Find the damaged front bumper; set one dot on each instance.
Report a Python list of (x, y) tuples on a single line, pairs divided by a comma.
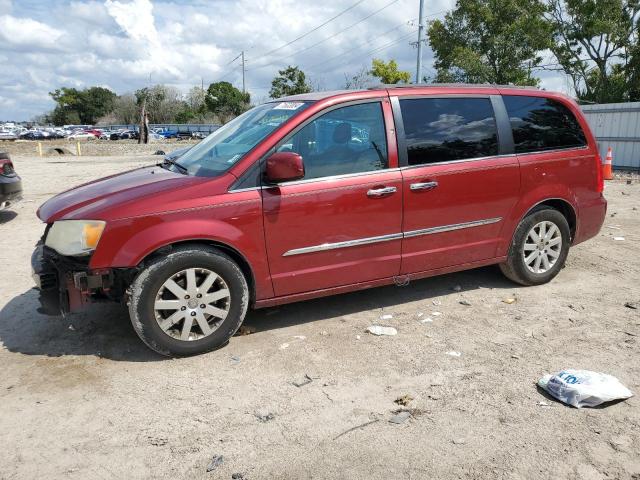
[(67, 284)]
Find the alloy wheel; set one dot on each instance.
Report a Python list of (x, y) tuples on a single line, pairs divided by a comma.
[(192, 304), (542, 247)]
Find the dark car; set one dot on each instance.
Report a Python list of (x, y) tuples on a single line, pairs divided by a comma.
[(10, 183), (33, 136), (326, 193)]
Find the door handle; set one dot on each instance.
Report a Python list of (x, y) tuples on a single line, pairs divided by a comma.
[(423, 186), (381, 192)]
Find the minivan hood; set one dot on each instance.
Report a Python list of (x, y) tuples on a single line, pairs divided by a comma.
[(109, 197)]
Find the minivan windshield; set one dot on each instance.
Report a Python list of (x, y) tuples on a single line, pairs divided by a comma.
[(227, 145)]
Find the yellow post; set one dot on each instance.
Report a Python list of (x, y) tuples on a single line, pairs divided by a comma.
[(40, 148), (78, 149)]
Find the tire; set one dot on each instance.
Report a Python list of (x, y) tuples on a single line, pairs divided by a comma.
[(516, 267), (228, 293)]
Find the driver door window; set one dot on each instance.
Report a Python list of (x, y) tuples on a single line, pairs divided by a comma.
[(343, 141)]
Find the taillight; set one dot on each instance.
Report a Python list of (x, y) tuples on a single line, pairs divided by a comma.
[(599, 173)]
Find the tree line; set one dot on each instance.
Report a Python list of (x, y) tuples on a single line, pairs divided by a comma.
[(594, 42)]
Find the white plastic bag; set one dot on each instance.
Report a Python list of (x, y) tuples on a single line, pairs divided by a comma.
[(583, 388)]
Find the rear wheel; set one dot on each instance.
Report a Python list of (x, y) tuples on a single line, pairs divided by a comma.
[(188, 302), (539, 247)]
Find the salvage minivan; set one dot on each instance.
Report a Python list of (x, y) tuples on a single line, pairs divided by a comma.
[(324, 193)]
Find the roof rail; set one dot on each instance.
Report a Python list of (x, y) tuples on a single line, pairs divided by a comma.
[(446, 85)]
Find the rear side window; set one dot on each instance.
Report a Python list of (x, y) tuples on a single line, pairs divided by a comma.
[(446, 129), (541, 124)]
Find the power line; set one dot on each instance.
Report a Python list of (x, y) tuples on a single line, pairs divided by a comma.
[(332, 36), (314, 29), (368, 42)]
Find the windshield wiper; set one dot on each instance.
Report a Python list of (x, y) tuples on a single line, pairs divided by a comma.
[(170, 161)]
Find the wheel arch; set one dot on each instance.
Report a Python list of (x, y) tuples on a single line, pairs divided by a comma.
[(232, 252), (563, 206)]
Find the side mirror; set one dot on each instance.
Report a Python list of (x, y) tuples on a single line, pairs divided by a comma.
[(284, 166)]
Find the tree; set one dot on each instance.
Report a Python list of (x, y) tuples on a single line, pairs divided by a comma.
[(596, 45), (388, 72), (361, 79), (490, 41), (81, 106), (161, 102), (290, 81), (125, 110), (225, 100)]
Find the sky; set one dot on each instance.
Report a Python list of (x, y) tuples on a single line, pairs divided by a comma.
[(125, 45)]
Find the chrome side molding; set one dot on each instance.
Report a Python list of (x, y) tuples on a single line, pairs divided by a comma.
[(449, 228), (345, 244), (387, 238)]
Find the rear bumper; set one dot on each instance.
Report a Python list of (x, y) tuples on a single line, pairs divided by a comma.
[(66, 284), (591, 218), (10, 190)]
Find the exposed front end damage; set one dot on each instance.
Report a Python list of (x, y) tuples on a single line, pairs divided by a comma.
[(68, 284)]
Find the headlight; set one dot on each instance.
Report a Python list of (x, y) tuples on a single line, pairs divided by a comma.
[(74, 237)]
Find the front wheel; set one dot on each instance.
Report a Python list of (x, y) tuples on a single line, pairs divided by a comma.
[(539, 248), (188, 302)]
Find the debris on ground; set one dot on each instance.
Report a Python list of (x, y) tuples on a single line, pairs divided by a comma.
[(458, 441), (235, 359), (584, 388), (465, 303), (436, 314), (301, 383), (357, 427), (509, 301), (543, 404), (238, 476), (380, 330), (454, 353), (284, 346), (400, 417), (386, 317), (264, 416), (436, 302), (215, 462), (619, 239), (426, 320), (158, 441), (632, 305), (245, 330), (404, 400), (72, 328), (324, 333)]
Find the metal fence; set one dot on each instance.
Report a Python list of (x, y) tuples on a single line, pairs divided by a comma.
[(179, 127), (617, 125)]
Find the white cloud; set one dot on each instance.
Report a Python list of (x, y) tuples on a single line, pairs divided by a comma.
[(28, 33)]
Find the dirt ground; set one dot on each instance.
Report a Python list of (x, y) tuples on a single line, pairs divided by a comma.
[(83, 398)]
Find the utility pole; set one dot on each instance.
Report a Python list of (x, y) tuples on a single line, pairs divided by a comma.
[(420, 35), (244, 90)]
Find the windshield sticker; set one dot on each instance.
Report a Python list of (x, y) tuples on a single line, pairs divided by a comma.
[(288, 106)]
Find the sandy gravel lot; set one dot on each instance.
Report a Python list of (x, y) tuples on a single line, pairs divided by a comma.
[(83, 398)]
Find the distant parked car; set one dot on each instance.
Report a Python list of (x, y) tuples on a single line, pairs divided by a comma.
[(8, 136), (129, 134), (10, 182), (82, 136), (32, 135)]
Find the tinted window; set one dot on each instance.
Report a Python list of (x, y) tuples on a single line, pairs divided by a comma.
[(345, 140), (542, 124), (445, 129)]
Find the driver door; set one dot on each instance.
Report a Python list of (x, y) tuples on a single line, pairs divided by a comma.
[(340, 224)]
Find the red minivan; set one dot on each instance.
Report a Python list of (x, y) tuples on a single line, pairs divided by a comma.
[(324, 193)]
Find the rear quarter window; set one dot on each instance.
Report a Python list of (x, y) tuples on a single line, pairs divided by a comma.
[(540, 124)]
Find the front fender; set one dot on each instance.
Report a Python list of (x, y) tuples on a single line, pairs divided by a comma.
[(237, 225)]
